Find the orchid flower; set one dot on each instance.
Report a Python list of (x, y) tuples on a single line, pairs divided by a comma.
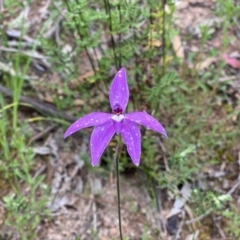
[(107, 124)]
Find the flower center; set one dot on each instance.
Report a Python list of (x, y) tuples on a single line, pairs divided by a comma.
[(117, 109), (118, 118)]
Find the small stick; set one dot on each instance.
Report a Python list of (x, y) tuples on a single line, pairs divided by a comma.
[(40, 107)]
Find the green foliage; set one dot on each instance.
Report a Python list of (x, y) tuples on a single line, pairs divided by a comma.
[(233, 220), (181, 168), (24, 209), (209, 200), (24, 214)]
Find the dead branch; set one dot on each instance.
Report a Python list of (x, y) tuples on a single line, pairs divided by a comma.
[(39, 106)]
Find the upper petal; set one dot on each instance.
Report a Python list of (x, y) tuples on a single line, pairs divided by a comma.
[(132, 138), (100, 138), (119, 92), (146, 120), (89, 120)]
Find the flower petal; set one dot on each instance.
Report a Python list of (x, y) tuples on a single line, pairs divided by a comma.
[(89, 120), (132, 138), (146, 120), (100, 138), (119, 92)]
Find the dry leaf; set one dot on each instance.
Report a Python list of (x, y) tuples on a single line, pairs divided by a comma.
[(180, 200), (233, 62), (79, 102), (81, 79), (206, 63), (193, 236), (177, 46)]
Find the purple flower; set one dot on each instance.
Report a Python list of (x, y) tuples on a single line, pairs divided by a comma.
[(106, 124)]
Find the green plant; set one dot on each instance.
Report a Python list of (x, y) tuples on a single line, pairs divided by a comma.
[(233, 219), (208, 201), (24, 208)]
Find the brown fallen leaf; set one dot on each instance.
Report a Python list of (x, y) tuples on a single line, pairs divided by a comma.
[(206, 63), (81, 79), (79, 102), (233, 62), (177, 46)]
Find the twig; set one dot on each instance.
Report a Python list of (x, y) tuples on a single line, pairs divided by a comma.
[(8, 69), (235, 186), (41, 134), (160, 219), (199, 218), (228, 78), (39, 171), (27, 53), (178, 234), (219, 229), (54, 29), (39, 106), (16, 34), (164, 155)]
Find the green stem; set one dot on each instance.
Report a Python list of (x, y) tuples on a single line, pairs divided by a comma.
[(108, 11), (164, 2), (118, 154)]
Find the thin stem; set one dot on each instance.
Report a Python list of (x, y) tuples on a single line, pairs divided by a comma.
[(164, 2), (136, 62), (108, 11), (120, 35), (118, 154)]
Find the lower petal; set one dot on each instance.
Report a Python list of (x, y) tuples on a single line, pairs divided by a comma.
[(132, 138), (100, 138)]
